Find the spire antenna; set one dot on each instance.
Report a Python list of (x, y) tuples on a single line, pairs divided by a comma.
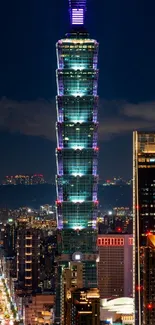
[(77, 9)]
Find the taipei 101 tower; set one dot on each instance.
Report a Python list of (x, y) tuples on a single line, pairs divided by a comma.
[(76, 156)]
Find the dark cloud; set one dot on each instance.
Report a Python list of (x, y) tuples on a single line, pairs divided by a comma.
[(121, 117), (37, 118), (145, 110)]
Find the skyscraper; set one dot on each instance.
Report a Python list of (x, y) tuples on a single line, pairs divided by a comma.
[(77, 151), (149, 281), (144, 226)]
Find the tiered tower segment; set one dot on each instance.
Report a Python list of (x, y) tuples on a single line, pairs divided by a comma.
[(77, 150)]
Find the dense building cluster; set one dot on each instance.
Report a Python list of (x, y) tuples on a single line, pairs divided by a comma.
[(28, 248), (29, 242), (72, 264), (22, 179)]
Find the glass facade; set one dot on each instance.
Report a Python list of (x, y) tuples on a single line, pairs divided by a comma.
[(76, 128), (144, 226), (77, 151)]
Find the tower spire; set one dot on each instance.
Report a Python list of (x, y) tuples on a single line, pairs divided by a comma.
[(77, 9)]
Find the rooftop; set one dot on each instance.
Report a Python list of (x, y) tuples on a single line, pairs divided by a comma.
[(122, 305)]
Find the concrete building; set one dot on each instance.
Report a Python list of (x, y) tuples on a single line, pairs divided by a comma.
[(115, 265)]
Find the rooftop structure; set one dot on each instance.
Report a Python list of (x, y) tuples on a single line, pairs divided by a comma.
[(122, 305)]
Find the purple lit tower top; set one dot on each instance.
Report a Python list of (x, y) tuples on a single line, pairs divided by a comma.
[(77, 10)]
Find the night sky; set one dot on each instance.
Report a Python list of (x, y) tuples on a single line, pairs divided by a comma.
[(29, 30)]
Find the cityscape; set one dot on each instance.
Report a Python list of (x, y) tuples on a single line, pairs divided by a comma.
[(77, 245)]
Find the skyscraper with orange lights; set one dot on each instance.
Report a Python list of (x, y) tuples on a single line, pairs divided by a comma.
[(144, 227)]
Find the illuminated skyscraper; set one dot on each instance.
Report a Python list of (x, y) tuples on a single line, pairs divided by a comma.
[(149, 281), (77, 150), (144, 226)]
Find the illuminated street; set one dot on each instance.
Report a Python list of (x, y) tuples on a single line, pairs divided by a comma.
[(7, 309)]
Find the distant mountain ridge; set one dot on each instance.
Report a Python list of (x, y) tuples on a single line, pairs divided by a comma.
[(33, 196)]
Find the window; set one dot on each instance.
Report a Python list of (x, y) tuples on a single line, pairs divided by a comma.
[(111, 241)]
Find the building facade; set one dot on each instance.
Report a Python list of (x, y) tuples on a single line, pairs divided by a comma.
[(116, 311), (149, 281), (28, 259), (82, 307), (144, 224), (77, 151), (39, 310), (115, 265)]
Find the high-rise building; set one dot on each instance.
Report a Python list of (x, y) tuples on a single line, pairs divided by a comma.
[(10, 237), (47, 263), (77, 151), (144, 224), (28, 259), (149, 281), (115, 265)]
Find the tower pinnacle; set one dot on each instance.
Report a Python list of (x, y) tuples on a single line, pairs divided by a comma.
[(77, 10)]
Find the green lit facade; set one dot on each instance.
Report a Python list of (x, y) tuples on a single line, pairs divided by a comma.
[(77, 151)]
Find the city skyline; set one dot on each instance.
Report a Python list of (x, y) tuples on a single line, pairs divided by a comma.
[(86, 257), (27, 65)]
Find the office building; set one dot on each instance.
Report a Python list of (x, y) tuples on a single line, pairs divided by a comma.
[(144, 223), (115, 265), (149, 281), (10, 237), (47, 260), (77, 151)]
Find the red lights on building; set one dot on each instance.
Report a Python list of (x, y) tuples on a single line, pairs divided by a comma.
[(130, 241), (139, 288), (112, 241), (149, 306), (148, 233), (58, 202), (38, 175)]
